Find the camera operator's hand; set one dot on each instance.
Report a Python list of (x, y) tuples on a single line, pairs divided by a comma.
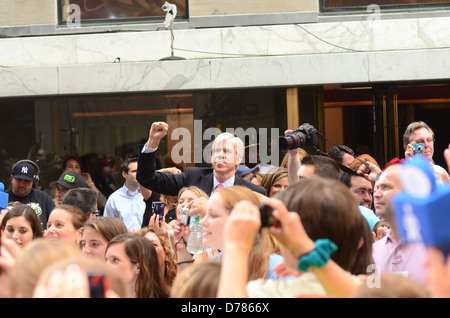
[(293, 161), (197, 207), (181, 234), (381, 232), (158, 131), (291, 151), (184, 258), (370, 174), (288, 267), (158, 226), (290, 233), (241, 226), (409, 151)]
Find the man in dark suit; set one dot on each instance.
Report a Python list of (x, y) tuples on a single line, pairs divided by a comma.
[(227, 153)]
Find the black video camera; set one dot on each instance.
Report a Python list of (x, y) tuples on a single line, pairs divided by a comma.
[(305, 135)]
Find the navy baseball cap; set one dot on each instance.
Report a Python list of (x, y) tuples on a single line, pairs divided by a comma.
[(242, 170), (24, 170)]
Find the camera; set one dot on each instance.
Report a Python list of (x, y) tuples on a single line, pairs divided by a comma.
[(158, 208), (185, 216), (419, 148), (267, 218), (305, 135)]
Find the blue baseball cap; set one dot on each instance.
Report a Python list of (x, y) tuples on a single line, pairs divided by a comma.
[(242, 170)]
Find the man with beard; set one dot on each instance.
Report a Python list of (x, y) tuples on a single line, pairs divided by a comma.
[(22, 179), (361, 188)]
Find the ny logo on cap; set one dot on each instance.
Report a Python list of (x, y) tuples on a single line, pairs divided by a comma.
[(24, 170)]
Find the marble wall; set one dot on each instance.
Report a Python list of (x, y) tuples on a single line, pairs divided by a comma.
[(27, 12), (216, 7), (279, 55)]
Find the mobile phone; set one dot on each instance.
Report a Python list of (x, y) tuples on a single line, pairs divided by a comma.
[(267, 218), (97, 285), (158, 208), (185, 216), (419, 148)]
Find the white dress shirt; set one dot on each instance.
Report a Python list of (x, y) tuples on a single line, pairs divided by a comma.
[(129, 206)]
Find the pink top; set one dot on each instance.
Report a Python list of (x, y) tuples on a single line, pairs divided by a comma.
[(407, 259)]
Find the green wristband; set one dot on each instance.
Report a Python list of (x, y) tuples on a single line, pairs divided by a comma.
[(317, 257)]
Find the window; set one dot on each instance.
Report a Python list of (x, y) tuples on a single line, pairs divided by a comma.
[(363, 5), (114, 11), (48, 129)]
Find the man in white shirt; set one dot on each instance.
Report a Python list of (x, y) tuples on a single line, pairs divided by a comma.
[(127, 203)]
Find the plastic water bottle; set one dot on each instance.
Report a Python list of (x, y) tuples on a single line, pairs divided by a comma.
[(195, 240)]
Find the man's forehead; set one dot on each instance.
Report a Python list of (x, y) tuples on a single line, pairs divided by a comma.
[(357, 181), (306, 171), (21, 179), (421, 132), (390, 175), (225, 144), (132, 165)]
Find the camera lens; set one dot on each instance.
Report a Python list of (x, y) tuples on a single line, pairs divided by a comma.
[(292, 141), (285, 142)]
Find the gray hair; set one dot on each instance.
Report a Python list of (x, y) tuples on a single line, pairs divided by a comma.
[(412, 128), (238, 143)]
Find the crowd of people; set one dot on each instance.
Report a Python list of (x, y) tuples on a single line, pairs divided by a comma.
[(317, 225)]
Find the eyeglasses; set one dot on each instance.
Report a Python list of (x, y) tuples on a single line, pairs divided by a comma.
[(426, 141)]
